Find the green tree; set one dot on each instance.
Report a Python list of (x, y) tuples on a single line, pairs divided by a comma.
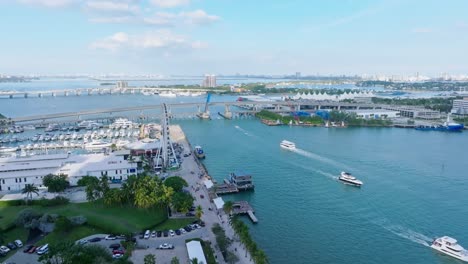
[(260, 257), (231, 258), (67, 252), (55, 183), (199, 212), (175, 260), (63, 224), (145, 193), (227, 207), (28, 218), (194, 261), (177, 183), (29, 189), (128, 189), (149, 259), (182, 201), (113, 197)]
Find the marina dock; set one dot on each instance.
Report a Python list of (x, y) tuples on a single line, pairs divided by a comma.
[(243, 207)]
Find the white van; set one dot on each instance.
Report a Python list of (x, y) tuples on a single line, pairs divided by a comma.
[(43, 249), (147, 234)]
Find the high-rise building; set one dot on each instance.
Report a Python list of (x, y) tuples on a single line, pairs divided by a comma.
[(460, 106), (210, 81), (122, 84), (298, 75)]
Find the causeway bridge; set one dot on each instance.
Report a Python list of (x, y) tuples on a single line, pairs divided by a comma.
[(238, 107), (98, 91)]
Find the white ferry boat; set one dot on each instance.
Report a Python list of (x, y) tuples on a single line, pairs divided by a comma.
[(287, 145), (346, 177), (121, 123), (450, 246)]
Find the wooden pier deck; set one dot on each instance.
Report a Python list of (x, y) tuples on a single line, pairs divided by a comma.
[(226, 188), (243, 207)]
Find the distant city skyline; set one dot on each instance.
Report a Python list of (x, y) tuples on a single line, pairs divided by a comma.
[(194, 37)]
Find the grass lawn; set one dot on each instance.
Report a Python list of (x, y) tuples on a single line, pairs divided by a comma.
[(174, 224), (75, 234), (120, 219), (12, 235)]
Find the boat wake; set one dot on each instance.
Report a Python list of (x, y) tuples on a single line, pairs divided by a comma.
[(326, 174), (244, 131), (408, 234), (320, 158)]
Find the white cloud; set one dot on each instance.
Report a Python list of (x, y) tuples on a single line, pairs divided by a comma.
[(112, 6), (150, 40), (169, 3), (160, 18), (48, 3), (198, 17)]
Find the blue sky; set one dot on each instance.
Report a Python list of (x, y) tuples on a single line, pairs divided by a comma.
[(234, 36)]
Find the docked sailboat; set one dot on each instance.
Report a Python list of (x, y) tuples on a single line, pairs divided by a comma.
[(287, 145), (450, 246), (347, 178)]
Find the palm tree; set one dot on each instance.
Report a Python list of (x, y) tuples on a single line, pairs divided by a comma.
[(199, 212), (194, 261), (260, 257), (228, 207), (29, 189)]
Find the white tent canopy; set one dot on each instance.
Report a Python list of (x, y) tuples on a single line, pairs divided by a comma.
[(208, 184), (195, 250), (219, 202)]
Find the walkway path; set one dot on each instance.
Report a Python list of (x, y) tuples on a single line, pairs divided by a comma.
[(210, 217)]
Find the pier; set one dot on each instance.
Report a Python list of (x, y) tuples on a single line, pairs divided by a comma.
[(243, 207)]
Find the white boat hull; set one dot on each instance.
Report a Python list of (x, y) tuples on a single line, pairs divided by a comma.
[(448, 253), (288, 148)]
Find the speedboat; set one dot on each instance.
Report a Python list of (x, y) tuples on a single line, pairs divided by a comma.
[(287, 145), (450, 246), (346, 177), (6, 149)]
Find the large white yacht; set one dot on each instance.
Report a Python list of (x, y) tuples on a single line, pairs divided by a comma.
[(346, 177), (121, 123), (97, 145), (287, 145), (450, 246)]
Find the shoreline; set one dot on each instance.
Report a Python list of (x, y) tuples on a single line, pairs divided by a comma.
[(210, 217)]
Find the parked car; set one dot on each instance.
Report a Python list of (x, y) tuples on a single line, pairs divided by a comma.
[(4, 249), (110, 237), (11, 246), (153, 234), (166, 246), (114, 246), (44, 249), (171, 233), (187, 228), (202, 196), (182, 231), (2, 254), (190, 214), (26, 249), (32, 250), (95, 239), (18, 243), (120, 236), (118, 251), (178, 232), (159, 234), (147, 234), (117, 256), (82, 242), (165, 233)]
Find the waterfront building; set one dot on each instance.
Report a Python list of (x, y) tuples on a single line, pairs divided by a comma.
[(414, 112), (333, 97), (375, 113), (122, 84), (242, 180), (209, 81), (460, 106), (16, 172)]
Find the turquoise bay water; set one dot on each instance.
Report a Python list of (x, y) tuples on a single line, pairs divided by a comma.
[(415, 183), (415, 189)]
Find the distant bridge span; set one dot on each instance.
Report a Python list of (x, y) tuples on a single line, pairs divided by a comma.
[(281, 106)]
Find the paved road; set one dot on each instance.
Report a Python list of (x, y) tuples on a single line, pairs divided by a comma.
[(210, 217)]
